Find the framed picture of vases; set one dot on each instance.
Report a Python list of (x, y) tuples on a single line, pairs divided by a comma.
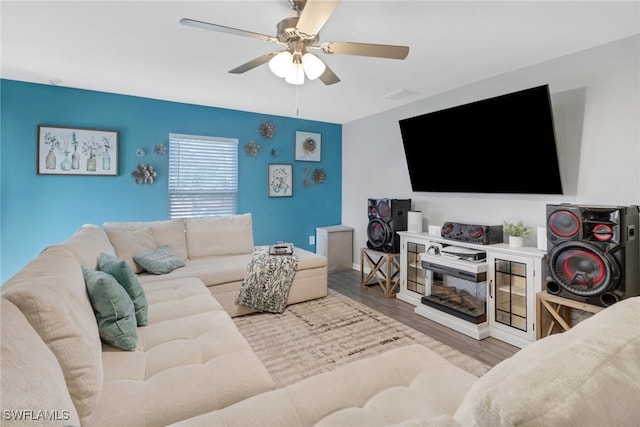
[(76, 151)]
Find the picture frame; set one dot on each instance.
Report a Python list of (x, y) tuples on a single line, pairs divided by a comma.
[(308, 146), (280, 179), (77, 151)]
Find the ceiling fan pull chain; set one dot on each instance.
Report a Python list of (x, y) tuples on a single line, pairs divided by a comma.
[(297, 100)]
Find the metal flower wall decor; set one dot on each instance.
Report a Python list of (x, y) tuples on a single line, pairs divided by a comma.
[(251, 148), (318, 176), (145, 174), (267, 129)]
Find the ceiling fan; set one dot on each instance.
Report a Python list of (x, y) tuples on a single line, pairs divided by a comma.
[(300, 34)]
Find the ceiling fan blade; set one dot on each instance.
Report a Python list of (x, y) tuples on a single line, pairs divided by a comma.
[(221, 28), (328, 77), (253, 63), (367, 49), (314, 15)]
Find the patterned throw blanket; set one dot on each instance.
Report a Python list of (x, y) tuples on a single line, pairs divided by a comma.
[(268, 281)]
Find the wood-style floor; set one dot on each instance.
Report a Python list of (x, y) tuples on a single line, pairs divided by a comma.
[(489, 350)]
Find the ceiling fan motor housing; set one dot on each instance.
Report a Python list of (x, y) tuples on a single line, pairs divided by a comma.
[(287, 32), (297, 5)]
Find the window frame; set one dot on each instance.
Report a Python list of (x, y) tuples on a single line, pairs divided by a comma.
[(218, 196)]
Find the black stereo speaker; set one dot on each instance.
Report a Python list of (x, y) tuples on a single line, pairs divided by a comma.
[(386, 217), (478, 234), (593, 252)]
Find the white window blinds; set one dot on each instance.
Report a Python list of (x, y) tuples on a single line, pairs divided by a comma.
[(203, 176)]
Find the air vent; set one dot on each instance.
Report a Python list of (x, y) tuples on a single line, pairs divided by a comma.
[(400, 94)]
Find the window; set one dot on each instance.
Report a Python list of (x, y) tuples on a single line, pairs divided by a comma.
[(203, 176)]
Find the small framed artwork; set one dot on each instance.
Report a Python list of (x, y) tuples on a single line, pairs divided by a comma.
[(280, 180), (75, 151), (308, 146)]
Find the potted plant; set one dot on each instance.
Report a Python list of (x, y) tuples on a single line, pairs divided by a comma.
[(517, 232)]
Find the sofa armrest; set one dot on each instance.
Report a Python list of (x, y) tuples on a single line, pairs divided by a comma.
[(589, 375)]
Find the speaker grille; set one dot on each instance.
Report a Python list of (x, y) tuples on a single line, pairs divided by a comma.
[(379, 234), (564, 224), (384, 210), (583, 270)]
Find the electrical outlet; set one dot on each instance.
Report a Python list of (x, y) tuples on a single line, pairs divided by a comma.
[(312, 240)]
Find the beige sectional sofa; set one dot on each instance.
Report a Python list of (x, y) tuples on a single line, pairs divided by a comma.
[(217, 251), (191, 365)]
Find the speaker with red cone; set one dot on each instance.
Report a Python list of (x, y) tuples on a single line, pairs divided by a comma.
[(593, 252), (386, 218)]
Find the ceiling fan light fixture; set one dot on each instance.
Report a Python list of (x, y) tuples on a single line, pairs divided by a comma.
[(295, 76), (280, 64), (313, 66)]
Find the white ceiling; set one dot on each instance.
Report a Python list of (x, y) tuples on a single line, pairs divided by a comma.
[(139, 48)]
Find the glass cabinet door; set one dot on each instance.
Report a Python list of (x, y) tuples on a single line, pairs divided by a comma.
[(415, 273), (510, 293)]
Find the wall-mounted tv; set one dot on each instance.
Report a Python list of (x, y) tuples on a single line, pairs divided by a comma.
[(504, 144)]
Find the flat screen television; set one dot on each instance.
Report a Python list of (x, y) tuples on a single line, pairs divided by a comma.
[(504, 144)]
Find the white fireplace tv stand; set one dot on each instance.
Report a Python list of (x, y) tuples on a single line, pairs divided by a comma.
[(491, 297)]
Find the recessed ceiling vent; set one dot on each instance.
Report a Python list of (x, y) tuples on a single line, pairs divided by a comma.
[(400, 94)]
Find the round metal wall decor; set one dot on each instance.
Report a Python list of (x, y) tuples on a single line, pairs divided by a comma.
[(319, 176), (145, 174), (267, 129), (251, 148)]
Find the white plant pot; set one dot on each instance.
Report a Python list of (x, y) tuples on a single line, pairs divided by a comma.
[(516, 242)]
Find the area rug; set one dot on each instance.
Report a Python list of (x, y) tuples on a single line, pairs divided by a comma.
[(319, 335)]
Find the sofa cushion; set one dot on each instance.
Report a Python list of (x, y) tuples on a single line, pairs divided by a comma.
[(51, 293), (588, 375), (158, 261), (225, 235), (124, 274), (114, 309), (166, 233), (407, 382), (27, 361), (87, 243), (127, 243), (190, 359)]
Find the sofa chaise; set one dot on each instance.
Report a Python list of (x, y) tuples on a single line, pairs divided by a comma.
[(191, 365)]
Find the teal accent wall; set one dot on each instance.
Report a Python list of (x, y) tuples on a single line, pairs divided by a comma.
[(41, 210)]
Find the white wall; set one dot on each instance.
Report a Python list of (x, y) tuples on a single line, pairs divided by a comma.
[(596, 102)]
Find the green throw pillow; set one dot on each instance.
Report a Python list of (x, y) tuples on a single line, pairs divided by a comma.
[(113, 309), (124, 274), (159, 261)]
